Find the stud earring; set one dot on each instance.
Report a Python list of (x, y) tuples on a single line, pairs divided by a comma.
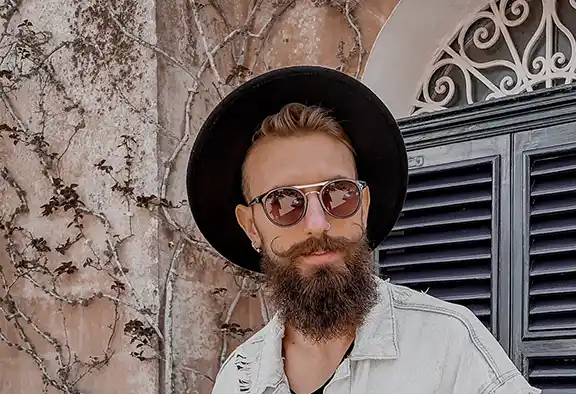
[(255, 248)]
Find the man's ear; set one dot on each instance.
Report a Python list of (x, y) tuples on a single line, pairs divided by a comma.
[(245, 218), (365, 205)]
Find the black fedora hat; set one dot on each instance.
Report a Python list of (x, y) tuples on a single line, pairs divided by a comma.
[(214, 174)]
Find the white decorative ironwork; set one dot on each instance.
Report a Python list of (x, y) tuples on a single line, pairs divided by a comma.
[(508, 47)]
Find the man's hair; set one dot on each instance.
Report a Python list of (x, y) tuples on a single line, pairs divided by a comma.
[(292, 120)]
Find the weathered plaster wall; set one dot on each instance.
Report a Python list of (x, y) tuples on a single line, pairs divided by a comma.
[(82, 119), (134, 76)]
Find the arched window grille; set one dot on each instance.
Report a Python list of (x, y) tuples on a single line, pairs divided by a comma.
[(506, 48)]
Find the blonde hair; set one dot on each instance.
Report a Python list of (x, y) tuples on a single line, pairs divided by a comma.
[(296, 119)]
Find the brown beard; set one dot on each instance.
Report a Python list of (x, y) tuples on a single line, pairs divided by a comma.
[(328, 301)]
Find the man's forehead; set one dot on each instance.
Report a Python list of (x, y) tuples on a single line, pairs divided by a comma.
[(302, 160)]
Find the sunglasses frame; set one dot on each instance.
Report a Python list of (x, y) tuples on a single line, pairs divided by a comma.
[(361, 185)]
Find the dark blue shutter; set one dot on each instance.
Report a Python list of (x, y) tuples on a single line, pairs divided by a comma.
[(544, 257), (552, 287), (442, 244)]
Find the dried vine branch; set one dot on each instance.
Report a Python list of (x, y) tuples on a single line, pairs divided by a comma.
[(207, 50), (168, 299)]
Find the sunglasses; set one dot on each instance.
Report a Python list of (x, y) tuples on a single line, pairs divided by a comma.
[(285, 206)]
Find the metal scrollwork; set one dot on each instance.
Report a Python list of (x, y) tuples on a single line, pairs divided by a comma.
[(483, 61)]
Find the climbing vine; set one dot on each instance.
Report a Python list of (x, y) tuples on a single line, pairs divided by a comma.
[(63, 246)]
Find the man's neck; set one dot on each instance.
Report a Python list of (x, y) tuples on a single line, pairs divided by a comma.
[(309, 364), (294, 338)]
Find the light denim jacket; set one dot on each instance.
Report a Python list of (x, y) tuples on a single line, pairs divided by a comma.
[(410, 343)]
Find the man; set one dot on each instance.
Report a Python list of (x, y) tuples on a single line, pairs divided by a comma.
[(299, 174)]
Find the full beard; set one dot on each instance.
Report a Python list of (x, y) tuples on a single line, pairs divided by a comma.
[(322, 302)]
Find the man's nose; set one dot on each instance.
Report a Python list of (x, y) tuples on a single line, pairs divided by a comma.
[(315, 220)]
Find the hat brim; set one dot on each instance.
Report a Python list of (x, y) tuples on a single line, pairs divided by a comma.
[(214, 174)]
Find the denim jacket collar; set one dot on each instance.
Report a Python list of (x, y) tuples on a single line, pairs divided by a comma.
[(376, 338)]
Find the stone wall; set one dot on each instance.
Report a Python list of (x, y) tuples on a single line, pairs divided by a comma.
[(106, 286)]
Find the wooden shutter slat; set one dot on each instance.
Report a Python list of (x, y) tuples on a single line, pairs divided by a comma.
[(443, 219), (450, 274), (436, 257), (553, 207), (451, 182), (557, 186), (454, 199), (557, 225), (553, 166), (438, 238), (555, 266)]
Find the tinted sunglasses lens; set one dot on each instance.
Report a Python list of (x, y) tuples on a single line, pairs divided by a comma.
[(341, 198), (285, 206)]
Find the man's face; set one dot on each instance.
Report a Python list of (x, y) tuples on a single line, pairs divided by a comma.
[(319, 270), (302, 160)]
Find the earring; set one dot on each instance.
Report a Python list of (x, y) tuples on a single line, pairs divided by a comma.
[(255, 248)]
